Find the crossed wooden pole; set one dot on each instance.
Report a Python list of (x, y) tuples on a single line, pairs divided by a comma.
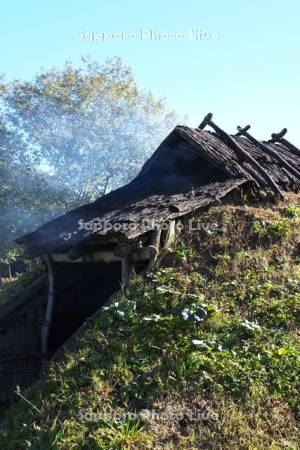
[(279, 137), (268, 150), (259, 171)]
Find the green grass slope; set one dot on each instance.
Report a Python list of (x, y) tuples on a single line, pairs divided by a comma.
[(9, 290), (202, 355)]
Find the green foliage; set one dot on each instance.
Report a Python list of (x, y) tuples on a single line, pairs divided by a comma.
[(9, 290), (182, 251), (291, 211), (125, 434), (272, 231)]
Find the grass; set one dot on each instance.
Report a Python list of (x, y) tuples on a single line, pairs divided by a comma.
[(13, 288), (211, 335)]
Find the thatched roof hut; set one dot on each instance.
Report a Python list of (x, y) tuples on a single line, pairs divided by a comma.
[(192, 169), (189, 170)]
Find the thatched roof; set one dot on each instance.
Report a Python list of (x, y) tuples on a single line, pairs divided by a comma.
[(191, 169)]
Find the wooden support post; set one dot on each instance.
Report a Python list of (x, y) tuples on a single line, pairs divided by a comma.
[(170, 235), (155, 242), (168, 238), (126, 271)]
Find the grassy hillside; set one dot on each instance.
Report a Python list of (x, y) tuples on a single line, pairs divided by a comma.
[(203, 355), (9, 290)]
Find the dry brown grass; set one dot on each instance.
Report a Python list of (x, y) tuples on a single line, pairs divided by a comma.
[(262, 422)]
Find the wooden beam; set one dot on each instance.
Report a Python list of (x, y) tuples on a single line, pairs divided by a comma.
[(144, 253), (141, 254), (105, 256)]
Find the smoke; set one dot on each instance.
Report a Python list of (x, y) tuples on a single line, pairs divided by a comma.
[(65, 156)]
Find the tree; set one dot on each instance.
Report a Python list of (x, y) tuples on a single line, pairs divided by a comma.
[(91, 126), (27, 197), (70, 136)]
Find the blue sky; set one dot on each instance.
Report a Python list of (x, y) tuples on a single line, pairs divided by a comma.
[(248, 72)]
